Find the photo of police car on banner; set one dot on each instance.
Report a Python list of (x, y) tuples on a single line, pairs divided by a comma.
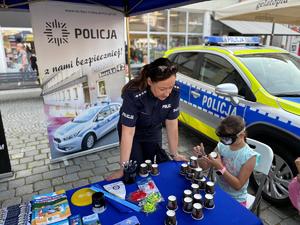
[(82, 61)]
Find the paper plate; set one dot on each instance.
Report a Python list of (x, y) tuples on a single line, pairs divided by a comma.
[(82, 197)]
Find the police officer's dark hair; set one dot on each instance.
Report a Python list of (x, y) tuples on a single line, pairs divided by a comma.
[(159, 70)]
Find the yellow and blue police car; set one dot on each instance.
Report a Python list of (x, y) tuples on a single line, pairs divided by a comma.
[(236, 75)]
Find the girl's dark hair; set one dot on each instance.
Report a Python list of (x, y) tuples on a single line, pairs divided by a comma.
[(231, 125), (159, 70)]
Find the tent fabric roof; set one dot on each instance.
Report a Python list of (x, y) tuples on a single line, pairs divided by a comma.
[(258, 28), (129, 7)]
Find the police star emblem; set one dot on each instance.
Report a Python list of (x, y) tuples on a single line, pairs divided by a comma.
[(57, 32)]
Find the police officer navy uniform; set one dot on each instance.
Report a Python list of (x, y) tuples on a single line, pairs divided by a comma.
[(148, 101)]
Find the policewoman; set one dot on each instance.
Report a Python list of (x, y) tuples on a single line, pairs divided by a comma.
[(149, 100)]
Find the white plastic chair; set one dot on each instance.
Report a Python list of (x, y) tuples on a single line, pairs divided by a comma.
[(266, 158)]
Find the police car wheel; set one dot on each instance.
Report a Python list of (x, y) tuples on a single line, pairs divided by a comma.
[(88, 141), (281, 173)]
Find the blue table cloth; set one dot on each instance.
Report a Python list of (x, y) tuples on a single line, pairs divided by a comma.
[(227, 211)]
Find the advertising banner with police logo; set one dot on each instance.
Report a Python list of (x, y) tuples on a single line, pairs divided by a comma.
[(5, 167), (81, 57)]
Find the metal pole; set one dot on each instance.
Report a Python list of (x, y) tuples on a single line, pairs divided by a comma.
[(128, 47), (272, 33)]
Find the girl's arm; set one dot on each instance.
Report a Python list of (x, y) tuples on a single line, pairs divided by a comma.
[(200, 153), (236, 182), (125, 150)]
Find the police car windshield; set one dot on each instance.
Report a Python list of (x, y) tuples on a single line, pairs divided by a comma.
[(86, 115), (278, 73)]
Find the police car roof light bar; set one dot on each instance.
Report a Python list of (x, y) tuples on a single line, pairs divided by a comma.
[(231, 40)]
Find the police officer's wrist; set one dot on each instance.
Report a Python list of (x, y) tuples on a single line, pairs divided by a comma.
[(173, 155)]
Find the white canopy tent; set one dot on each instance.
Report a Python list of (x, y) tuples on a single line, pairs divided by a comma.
[(281, 11)]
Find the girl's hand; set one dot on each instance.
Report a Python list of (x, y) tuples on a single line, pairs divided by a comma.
[(216, 163), (180, 157), (199, 150)]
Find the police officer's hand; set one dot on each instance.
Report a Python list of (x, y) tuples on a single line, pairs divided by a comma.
[(115, 175), (179, 157)]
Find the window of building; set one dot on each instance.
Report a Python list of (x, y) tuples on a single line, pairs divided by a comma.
[(101, 88), (138, 23), (158, 46), (177, 40), (138, 48), (195, 40), (75, 93), (177, 21), (69, 94), (195, 24), (158, 21)]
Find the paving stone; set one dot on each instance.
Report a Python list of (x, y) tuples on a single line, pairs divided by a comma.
[(46, 191), (45, 150), (283, 212), (70, 177), (270, 217), (40, 156), (33, 143), (54, 166), (72, 169), (18, 156), (100, 162), (17, 146), (80, 160), (54, 173), (104, 154), (3, 186), (12, 201), (96, 179), (80, 183), (63, 187), (85, 174), (4, 195), (23, 173), (30, 150), (19, 167), (26, 189), (26, 159), (42, 146), (113, 159), (92, 157), (15, 142), (57, 181), (16, 183), (42, 185), (113, 167), (28, 197), (15, 162), (100, 170), (40, 169), (34, 178), (36, 164), (87, 165)]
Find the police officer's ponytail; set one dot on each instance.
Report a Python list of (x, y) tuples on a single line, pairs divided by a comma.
[(159, 70)]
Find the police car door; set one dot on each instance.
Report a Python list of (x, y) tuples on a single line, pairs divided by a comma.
[(216, 69)]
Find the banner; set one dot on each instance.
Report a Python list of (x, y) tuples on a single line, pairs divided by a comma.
[(5, 167), (81, 59)]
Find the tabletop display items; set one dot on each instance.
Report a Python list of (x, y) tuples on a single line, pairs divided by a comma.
[(213, 155), (187, 193), (187, 205), (154, 170), (130, 170), (197, 198), (50, 208), (197, 213), (193, 162), (209, 201), (148, 186), (183, 169), (210, 187), (149, 164), (172, 203), (92, 219), (98, 202), (170, 218), (143, 170), (116, 188), (75, 220), (16, 214), (129, 221)]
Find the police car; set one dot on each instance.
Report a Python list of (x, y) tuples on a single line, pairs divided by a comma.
[(84, 130), (236, 75)]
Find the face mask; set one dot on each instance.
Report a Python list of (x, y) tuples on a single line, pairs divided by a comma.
[(228, 140)]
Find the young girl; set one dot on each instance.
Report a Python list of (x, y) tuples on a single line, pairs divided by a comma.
[(294, 188), (235, 161)]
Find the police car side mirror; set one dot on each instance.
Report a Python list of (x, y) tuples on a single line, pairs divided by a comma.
[(228, 90)]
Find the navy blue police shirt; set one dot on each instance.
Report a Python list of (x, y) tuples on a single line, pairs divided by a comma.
[(145, 112)]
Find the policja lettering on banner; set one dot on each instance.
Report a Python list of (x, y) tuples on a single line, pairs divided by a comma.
[(95, 33)]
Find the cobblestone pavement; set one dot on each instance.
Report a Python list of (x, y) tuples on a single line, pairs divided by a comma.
[(33, 174)]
